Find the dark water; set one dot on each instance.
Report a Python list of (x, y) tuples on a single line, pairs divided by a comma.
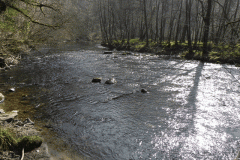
[(191, 110)]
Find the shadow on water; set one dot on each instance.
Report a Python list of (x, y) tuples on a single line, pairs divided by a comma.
[(118, 121), (192, 97)]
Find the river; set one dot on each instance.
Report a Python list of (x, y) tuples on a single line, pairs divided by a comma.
[(191, 109)]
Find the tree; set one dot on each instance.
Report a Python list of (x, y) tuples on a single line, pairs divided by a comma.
[(145, 21), (206, 20), (16, 5)]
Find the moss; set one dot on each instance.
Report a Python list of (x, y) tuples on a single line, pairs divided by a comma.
[(7, 140), (29, 143)]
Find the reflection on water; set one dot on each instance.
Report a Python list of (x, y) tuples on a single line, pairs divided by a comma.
[(191, 110)]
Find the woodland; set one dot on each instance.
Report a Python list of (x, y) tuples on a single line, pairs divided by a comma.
[(25, 24), (200, 29)]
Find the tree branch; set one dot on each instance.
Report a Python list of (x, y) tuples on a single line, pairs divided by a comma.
[(233, 22), (31, 19), (40, 5)]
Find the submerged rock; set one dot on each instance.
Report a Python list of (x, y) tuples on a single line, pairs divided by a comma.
[(97, 80), (111, 81), (1, 97)]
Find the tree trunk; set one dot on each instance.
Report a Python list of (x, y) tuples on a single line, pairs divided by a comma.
[(146, 22), (206, 28), (178, 24)]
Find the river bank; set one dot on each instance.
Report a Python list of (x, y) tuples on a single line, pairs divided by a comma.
[(13, 129), (18, 111), (220, 54)]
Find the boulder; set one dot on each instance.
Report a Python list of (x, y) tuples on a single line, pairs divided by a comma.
[(111, 81), (97, 80), (108, 52), (1, 97)]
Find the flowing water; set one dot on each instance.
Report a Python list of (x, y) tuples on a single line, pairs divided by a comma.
[(191, 110)]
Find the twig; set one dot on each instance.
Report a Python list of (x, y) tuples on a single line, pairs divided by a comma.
[(22, 154)]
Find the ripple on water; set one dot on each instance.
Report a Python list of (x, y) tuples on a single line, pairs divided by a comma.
[(190, 112)]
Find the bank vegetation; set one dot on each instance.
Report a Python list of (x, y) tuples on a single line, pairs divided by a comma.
[(24, 24)]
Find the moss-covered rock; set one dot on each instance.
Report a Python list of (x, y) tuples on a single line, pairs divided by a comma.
[(29, 143)]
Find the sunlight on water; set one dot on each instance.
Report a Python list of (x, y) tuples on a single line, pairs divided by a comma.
[(191, 109), (210, 118)]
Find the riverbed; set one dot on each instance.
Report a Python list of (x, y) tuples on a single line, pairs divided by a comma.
[(191, 109)]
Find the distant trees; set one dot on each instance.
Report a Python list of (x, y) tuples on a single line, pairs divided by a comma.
[(196, 21)]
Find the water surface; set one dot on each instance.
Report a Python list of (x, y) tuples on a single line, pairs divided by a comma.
[(191, 110)]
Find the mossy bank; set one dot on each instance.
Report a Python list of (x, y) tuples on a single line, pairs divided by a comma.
[(217, 53), (20, 138)]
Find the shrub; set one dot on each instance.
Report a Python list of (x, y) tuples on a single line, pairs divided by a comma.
[(133, 41)]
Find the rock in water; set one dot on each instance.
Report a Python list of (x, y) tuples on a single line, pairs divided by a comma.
[(108, 52), (12, 90), (1, 97), (144, 90), (97, 80), (111, 81)]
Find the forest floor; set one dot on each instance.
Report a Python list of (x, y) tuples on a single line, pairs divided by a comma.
[(221, 53)]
